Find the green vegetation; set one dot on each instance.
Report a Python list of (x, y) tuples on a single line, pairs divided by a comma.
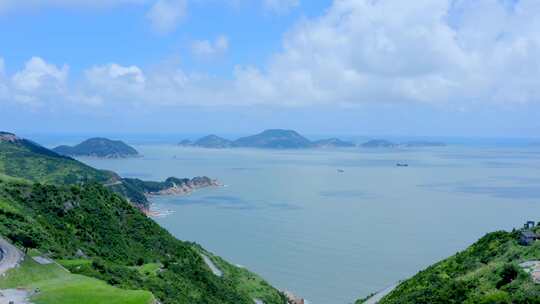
[(248, 282), (98, 147), (27, 160), (57, 286), (55, 204), (120, 245), (486, 272), (21, 159)]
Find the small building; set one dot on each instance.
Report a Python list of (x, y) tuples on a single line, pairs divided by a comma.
[(527, 237), (528, 225)]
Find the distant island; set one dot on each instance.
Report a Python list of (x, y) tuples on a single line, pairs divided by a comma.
[(268, 139), (419, 144), (209, 141), (333, 143), (381, 143), (98, 147), (290, 139), (378, 143), (274, 139)]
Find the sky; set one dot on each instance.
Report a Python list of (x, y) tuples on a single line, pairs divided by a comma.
[(355, 67)]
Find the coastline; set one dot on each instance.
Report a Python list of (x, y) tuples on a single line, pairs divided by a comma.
[(178, 190)]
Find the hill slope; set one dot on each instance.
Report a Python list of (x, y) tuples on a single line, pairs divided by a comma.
[(25, 159), (98, 147), (114, 239), (58, 286), (21, 158), (486, 272)]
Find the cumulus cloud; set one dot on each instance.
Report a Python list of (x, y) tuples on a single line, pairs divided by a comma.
[(115, 80), (39, 75), (36, 81), (206, 48), (166, 14), (280, 6), (359, 51), (394, 51)]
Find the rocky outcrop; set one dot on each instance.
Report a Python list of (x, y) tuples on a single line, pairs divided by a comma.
[(186, 186), (293, 299), (8, 137)]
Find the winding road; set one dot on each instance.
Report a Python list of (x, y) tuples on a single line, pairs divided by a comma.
[(10, 256), (381, 294)]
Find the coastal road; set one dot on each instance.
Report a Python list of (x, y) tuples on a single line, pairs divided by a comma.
[(10, 256), (381, 294)]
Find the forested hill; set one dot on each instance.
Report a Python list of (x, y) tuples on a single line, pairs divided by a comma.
[(99, 147), (488, 271), (99, 234), (25, 159), (60, 207), (22, 158)]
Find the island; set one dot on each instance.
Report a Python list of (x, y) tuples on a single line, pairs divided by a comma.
[(420, 144), (378, 143), (99, 147), (274, 139), (209, 141), (333, 143)]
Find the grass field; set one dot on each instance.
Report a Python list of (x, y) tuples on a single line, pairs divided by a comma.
[(57, 286)]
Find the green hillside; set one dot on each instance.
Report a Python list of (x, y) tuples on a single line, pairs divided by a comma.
[(57, 286), (25, 159), (486, 272), (99, 234), (68, 210)]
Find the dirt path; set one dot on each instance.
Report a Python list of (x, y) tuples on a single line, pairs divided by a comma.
[(212, 266), (10, 256)]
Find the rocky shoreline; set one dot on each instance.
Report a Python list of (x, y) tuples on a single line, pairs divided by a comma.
[(187, 186), (179, 187)]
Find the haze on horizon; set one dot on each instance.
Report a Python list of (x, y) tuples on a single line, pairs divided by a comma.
[(420, 68)]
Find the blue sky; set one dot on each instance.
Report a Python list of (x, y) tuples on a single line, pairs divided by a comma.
[(431, 67)]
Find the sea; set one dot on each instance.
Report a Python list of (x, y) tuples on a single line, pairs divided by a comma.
[(335, 225)]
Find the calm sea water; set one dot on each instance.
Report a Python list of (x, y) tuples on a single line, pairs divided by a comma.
[(334, 237)]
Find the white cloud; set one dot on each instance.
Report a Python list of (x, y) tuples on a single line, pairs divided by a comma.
[(166, 14), (2, 66), (115, 80), (206, 48), (280, 6), (359, 51), (40, 75), (396, 51)]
